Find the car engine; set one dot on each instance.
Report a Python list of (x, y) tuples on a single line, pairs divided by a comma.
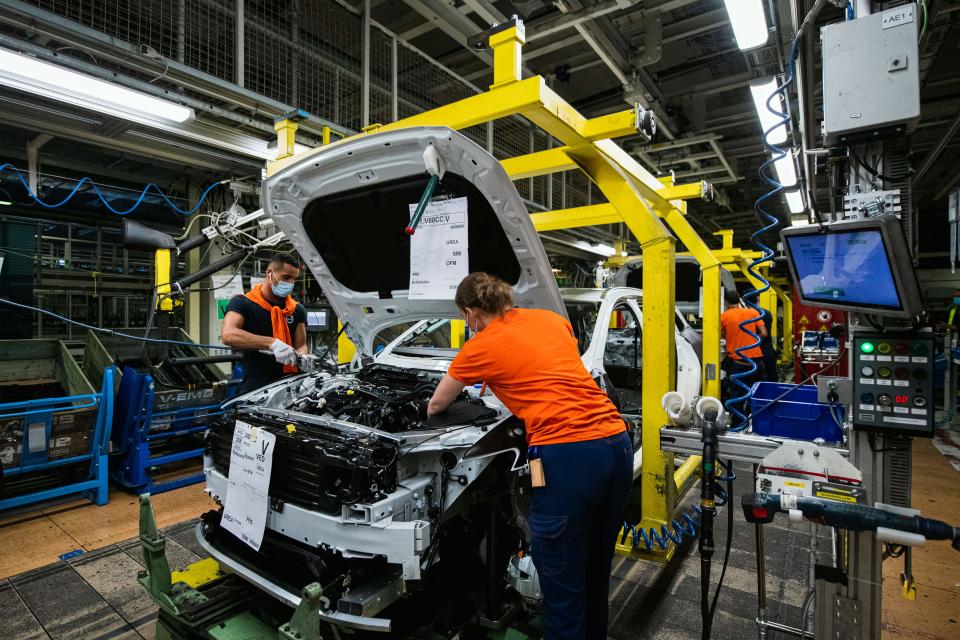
[(383, 398)]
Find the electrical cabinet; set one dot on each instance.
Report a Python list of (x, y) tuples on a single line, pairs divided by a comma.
[(871, 83)]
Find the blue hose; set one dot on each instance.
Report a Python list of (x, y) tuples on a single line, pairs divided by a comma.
[(771, 223), (679, 530), (151, 186)]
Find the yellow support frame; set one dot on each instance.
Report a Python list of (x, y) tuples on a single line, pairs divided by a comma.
[(637, 198), (786, 301), (346, 350), (162, 275)]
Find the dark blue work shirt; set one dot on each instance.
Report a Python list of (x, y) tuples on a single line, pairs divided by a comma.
[(260, 369)]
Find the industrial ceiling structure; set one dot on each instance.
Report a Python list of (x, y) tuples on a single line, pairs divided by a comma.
[(240, 63)]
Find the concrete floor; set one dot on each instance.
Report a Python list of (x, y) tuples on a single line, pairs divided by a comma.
[(95, 594)]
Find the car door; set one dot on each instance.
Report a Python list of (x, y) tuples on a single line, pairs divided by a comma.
[(619, 320)]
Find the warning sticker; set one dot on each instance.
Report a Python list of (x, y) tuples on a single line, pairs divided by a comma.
[(838, 497)]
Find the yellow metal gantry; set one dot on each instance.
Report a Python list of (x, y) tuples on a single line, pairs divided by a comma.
[(636, 198)]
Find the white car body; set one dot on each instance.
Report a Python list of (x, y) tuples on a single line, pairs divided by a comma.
[(365, 488)]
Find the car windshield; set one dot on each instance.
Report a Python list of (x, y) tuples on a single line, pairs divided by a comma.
[(430, 338)]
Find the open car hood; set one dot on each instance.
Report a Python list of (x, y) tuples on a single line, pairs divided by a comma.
[(346, 206)]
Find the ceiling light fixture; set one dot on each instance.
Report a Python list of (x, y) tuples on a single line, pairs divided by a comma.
[(598, 249), (55, 82), (761, 90), (749, 23), (794, 201), (786, 171)]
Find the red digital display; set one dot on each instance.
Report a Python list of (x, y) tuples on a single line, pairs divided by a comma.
[(901, 399)]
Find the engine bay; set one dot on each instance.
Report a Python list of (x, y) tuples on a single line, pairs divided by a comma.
[(326, 466), (390, 399)]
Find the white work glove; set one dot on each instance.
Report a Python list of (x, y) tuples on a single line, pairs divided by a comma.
[(283, 353)]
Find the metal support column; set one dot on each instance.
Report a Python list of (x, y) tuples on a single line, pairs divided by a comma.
[(33, 159), (365, 68), (786, 347), (394, 72), (181, 30), (239, 36), (193, 310)]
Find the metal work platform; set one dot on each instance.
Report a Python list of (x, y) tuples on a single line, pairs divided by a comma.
[(740, 447)]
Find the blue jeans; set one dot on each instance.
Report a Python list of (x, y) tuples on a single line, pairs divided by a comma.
[(574, 520)]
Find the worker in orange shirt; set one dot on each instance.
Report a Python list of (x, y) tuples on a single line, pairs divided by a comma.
[(735, 338), (580, 455)]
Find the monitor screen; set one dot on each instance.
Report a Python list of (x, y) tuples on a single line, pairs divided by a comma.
[(845, 268), (317, 320)]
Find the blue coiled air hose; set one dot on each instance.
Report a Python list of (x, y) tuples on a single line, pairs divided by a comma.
[(686, 527), (771, 223)]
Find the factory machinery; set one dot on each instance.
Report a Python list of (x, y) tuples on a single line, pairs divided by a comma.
[(835, 453)]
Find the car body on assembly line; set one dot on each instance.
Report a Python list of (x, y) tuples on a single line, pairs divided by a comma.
[(404, 519)]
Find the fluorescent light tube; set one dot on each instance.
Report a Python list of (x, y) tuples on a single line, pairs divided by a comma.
[(749, 23), (64, 85), (598, 249), (786, 171), (761, 90), (794, 201), (5, 203)]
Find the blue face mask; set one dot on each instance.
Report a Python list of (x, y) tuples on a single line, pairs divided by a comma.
[(281, 289)]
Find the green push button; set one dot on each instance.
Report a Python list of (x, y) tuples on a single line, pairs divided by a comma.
[(867, 347)]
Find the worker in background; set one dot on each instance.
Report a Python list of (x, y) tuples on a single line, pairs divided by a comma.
[(735, 338), (580, 455), (267, 318)]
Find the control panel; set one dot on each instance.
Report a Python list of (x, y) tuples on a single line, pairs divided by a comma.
[(893, 383)]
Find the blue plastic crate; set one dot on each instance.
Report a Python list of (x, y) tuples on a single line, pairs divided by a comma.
[(797, 416)]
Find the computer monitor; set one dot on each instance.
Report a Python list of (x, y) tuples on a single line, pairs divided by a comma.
[(862, 266), (318, 320)]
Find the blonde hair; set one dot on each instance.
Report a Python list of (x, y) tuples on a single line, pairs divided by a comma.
[(485, 292)]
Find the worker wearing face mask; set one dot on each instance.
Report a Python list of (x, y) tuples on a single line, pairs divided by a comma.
[(267, 318), (580, 455)]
